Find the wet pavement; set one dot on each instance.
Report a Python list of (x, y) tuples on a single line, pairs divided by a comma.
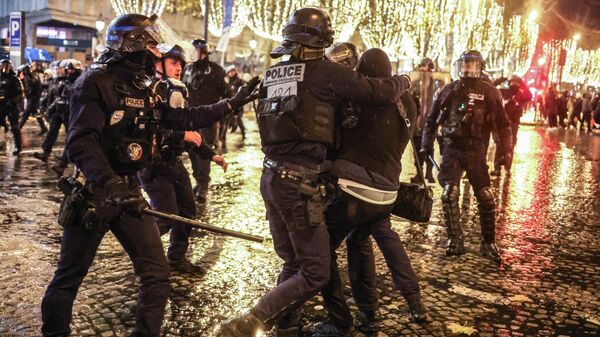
[(548, 225)]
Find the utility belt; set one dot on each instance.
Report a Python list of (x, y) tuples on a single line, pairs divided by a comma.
[(312, 185), (83, 202), (464, 142), (297, 172)]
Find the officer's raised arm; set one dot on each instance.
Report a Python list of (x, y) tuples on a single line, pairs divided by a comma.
[(192, 118)]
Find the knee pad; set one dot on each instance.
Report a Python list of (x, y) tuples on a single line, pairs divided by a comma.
[(485, 198), (451, 193)]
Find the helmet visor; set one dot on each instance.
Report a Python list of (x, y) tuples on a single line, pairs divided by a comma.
[(468, 68)]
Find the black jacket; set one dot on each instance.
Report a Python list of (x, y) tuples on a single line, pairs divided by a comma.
[(94, 99)]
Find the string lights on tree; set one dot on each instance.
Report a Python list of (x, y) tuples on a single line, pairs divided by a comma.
[(217, 16), (145, 7)]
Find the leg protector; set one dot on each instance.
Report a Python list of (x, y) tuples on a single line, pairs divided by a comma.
[(452, 219), (487, 218)]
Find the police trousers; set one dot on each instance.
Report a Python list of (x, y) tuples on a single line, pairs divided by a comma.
[(201, 167), (31, 109), (9, 109), (170, 190), (141, 240), (472, 160), (300, 239), (356, 220)]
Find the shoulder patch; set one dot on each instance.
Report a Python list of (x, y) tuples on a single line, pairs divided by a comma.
[(116, 117)]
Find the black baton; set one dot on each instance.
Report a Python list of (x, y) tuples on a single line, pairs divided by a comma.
[(200, 225)]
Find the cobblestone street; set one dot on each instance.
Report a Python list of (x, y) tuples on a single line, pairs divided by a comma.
[(548, 231)]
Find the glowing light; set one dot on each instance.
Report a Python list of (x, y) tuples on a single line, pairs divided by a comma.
[(145, 7), (252, 43), (577, 37), (217, 15), (533, 15), (541, 61)]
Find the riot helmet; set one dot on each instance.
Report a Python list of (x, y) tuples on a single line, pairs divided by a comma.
[(71, 64), (5, 66), (470, 65), (308, 27), (343, 52), (24, 68), (202, 46), (130, 33), (426, 64), (57, 69), (171, 52)]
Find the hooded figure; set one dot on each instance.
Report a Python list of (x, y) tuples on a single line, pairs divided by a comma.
[(368, 170)]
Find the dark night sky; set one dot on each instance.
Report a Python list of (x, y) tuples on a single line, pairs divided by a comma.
[(564, 18)]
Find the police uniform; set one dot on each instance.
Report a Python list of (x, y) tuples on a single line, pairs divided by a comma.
[(33, 92), (205, 81), (468, 110), (166, 180), (11, 89), (112, 127), (296, 120), (236, 121), (58, 110), (370, 156)]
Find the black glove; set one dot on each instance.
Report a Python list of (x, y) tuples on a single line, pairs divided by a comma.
[(426, 151), (244, 94), (118, 194)]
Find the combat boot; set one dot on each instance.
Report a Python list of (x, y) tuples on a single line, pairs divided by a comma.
[(288, 325), (417, 312), (43, 156), (451, 211), (329, 329), (487, 219), (366, 322), (59, 169), (245, 325)]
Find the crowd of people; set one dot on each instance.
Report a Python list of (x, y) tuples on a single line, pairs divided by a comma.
[(333, 125), (564, 109)]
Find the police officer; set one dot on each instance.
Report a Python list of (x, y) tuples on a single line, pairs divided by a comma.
[(33, 93), (423, 90), (166, 180), (468, 109), (112, 127), (205, 81), (517, 96), (234, 82), (367, 168), (11, 90), (58, 110), (296, 119)]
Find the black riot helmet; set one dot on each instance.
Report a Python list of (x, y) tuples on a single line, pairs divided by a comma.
[(427, 63), (202, 46), (71, 64), (374, 63), (307, 27), (343, 52), (130, 33), (5, 66), (24, 68), (470, 65), (172, 51)]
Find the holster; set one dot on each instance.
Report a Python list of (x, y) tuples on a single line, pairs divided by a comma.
[(75, 203)]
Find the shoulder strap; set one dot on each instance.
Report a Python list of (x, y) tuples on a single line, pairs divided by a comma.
[(402, 112)]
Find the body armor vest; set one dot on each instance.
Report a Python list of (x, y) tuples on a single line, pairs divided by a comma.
[(288, 112), (171, 92), (467, 114), (130, 133)]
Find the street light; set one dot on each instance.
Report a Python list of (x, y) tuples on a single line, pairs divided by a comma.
[(577, 37), (253, 43), (100, 24), (533, 15)]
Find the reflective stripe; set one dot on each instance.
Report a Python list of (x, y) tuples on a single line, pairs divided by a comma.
[(367, 193)]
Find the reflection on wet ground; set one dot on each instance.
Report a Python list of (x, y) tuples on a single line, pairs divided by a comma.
[(548, 224)]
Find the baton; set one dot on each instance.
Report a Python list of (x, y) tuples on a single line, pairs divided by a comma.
[(437, 167), (200, 225)]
